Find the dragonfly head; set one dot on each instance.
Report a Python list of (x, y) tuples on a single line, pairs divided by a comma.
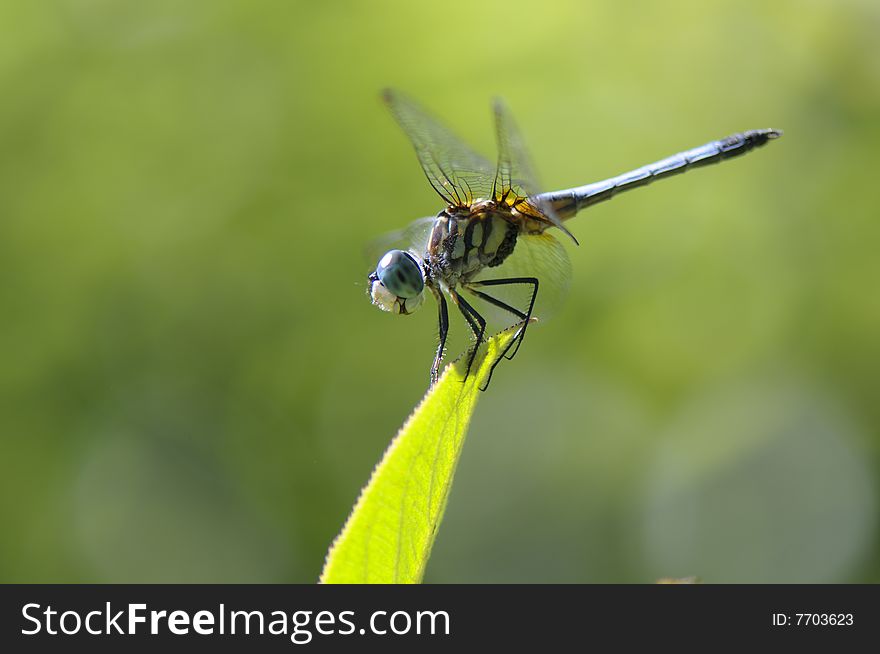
[(398, 283)]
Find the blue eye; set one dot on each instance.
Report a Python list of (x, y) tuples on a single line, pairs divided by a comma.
[(400, 274)]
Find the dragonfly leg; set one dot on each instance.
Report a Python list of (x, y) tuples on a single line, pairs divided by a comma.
[(506, 307), (502, 356), (444, 330), (531, 281), (476, 322), (498, 303)]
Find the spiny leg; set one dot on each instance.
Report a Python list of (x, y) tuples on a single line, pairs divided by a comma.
[(501, 305), (444, 330), (477, 324), (474, 326), (501, 356), (498, 303), (533, 282)]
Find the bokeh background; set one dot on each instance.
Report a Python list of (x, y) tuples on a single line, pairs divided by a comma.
[(194, 387)]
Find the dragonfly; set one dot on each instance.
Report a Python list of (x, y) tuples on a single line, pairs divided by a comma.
[(493, 240)]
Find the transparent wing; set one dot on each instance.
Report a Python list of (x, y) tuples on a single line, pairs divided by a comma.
[(412, 238), (515, 180), (535, 255), (457, 173)]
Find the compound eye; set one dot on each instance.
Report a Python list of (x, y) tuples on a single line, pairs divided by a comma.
[(401, 274)]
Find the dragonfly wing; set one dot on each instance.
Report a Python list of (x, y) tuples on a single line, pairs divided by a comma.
[(515, 180), (457, 173), (413, 238), (535, 255), (514, 176)]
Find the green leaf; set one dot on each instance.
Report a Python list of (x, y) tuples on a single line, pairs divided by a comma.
[(390, 532)]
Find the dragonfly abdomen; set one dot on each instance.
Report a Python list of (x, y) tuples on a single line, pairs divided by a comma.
[(570, 201)]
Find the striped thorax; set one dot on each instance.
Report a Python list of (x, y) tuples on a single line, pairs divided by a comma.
[(463, 242)]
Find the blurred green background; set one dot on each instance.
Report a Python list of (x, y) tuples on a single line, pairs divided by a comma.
[(194, 387)]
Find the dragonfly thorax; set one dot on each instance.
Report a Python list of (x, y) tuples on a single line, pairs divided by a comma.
[(462, 243)]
